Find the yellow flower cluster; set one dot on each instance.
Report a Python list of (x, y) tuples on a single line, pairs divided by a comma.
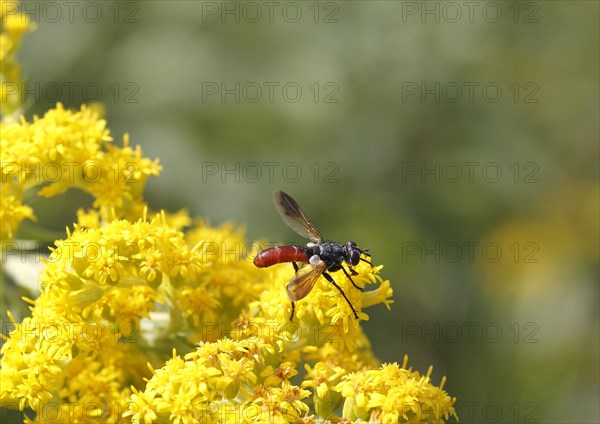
[(246, 372), (218, 383), (85, 327), (66, 149), (13, 26), (87, 338), (140, 321), (393, 394)]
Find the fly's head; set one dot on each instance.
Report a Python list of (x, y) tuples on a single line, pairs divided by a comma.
[(352, 253)]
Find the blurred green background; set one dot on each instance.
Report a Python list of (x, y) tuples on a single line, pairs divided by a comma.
[(456, 140)]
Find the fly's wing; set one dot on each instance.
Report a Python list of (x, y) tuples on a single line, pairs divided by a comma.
[(304, 281), (295, 218)]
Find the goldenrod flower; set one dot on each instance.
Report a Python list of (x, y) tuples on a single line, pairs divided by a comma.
[(66, 149), (256, 366), (12, 209), (275, 376), (394, 394), (93, 299), (331, 364)]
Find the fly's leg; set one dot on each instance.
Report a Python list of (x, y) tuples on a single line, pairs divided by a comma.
[(295, 265), (332, 281), (350, 278)]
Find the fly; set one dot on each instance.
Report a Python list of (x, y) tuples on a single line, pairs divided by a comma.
[(322, 256)]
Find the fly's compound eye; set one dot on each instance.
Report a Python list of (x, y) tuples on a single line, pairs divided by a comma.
[(352, 252), (354, 257)]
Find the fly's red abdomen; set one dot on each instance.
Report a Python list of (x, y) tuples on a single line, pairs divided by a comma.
[(277, 255)]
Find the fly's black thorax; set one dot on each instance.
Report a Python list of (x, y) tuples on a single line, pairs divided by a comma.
[(331, 253)]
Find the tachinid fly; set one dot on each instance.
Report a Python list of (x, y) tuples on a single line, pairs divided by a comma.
[(322, 256)]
